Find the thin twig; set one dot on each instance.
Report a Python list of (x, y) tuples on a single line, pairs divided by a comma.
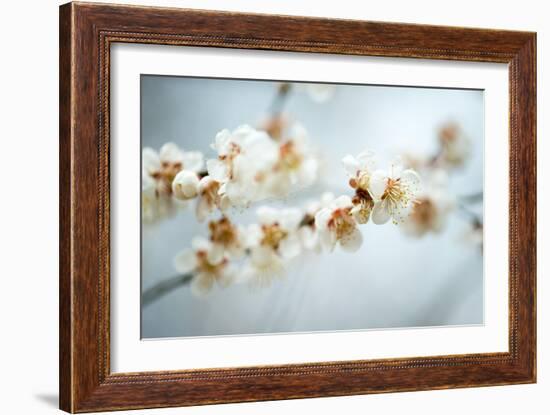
[(471, 198), (280, 99), (164, 287), (473, 217)]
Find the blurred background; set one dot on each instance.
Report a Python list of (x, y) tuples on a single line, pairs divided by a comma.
[(393, 281)]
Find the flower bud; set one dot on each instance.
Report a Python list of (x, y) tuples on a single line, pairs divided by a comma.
[(185, 185)]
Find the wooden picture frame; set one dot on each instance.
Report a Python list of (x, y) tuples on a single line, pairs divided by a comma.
[(86, 33)]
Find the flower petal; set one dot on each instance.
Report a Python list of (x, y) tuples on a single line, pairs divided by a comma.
[(343, 201), (217, 170), (290, 246), (378, 183), (360, 213), (185, 261), (326, 199), (216, 254), (367, 161), (202, 284), (352, 241), (221, 142), (401, 212), (227, 276), (203, 208), (411, 179), (290, 218), (200, 243), (380, 213), (309, 237), (253, 235), (327, 239), (267, 215), (396, 167), (266, 265), (171, 153), (193, 161), (150, 160), (351, 165), (308, 172), (322, 217)]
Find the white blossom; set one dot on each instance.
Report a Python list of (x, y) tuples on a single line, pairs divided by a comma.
[(185, 185), (245, 159), (148, 198), (360, 170), (206, 272), (394, 192), (271, 242), (154, 205), (168, 162), (227, 239), (455, 145), (159, 170), (308, 231), (295, 168), (263, 266), (336, 225), (209, 198), (432, 206)]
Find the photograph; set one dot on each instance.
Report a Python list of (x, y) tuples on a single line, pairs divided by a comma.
[(278, 207)]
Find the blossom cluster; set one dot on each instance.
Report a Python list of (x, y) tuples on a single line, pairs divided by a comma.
[(259, 252), (249, 166), (435, 202), (380, 195)]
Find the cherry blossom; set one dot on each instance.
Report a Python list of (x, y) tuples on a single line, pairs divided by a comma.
[(206, 272), (296, 166), (245, 159), (432, 206), (455, 145), (360, 169), (394, 192), (209, 198), (271, 242), (336, 225)]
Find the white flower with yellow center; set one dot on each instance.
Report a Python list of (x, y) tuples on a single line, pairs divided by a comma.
[(455, 145), (394, 193), (148, 198), (360, 170), (296, 167), (206, 272), (163, 166), (271, 243), (336, 225), (432, 206), (227, 239), (209, 198), (245, 159), (307, 230), (156, 206)]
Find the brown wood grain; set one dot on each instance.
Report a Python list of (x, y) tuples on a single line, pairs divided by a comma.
[(86, 33)]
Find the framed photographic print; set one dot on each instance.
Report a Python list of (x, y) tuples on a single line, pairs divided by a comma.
[(258, 207)]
